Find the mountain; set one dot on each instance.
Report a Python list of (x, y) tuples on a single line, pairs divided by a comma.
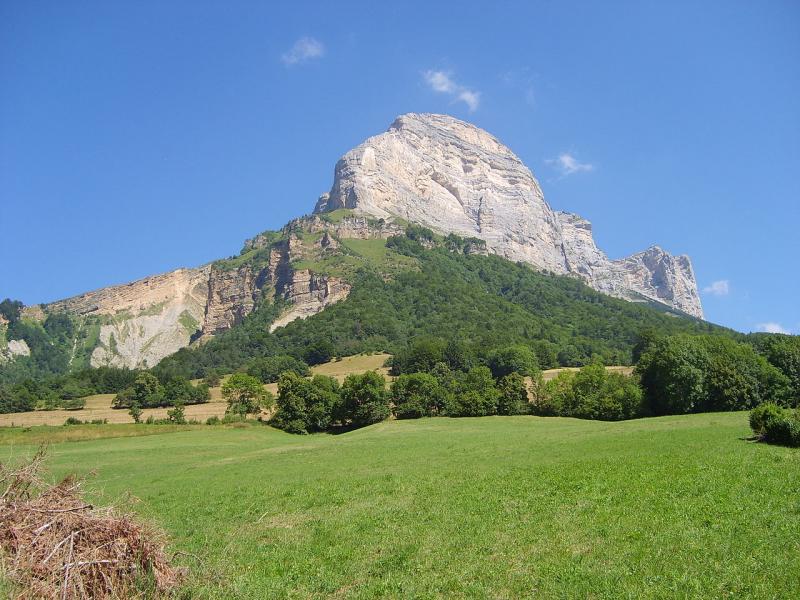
[(456, 178), (426, 170)]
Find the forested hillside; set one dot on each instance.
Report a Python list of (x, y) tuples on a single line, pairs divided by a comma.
[(483, 301)]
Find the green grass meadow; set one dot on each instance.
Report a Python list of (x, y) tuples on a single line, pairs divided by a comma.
[(496, 507)]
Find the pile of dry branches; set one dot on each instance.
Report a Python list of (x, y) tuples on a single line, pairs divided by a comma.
[(55, 545)]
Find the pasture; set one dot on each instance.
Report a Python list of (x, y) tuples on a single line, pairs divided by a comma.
[(500, 507)]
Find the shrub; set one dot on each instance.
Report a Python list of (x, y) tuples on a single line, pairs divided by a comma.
[(11, 402), (177, 414), (303, 405), (212, 378), (591, 393), (179, 390), (475, 394), (364, 399), (554, 395), (513, 398), (784, 430), (513, 359), (417, 395), (605, 395), (135, 412), (762, 414), (73, 421), (213, 420), (684, 374), (319, 352), (73, 404), (244, 394), (269, 369)]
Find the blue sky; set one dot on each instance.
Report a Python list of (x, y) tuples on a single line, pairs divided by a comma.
[(136, 138)]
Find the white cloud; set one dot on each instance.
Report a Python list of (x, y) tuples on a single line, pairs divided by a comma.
[(772, 328), (470, 98), (303, 50), (439, 81), (568, 164), (442, 82), (718, 288)]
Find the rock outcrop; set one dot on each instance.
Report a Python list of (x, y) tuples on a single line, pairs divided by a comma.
[(309, 293), (456, 178), (139, 323)]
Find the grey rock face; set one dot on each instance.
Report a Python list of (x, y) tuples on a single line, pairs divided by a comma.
[(457, 178)]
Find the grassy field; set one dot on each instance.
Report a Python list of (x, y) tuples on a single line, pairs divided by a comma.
[(500, 507)]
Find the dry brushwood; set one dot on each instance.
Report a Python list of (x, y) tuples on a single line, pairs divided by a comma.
[(57, 546)]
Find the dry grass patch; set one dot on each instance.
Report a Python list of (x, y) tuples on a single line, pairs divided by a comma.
[(361, 363), (57, 546)]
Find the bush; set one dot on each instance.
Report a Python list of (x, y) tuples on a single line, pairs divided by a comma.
[(475, 394), (591, 393), (179, 390), (319, 352), (269, 369), (73, 404), (685, 374), (417, 395), (177, 415), (604, 395), (213, 420), (11, 401), (305, 406), (784, 430), (762, 414), (212, 378), (364, 399), (513, 359), (135, 412), (513, 399), (245, 395), (554, 395)]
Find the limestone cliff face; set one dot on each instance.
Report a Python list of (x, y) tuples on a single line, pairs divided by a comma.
[(139, 323), (309, 293), (653, 274), (456, 178)]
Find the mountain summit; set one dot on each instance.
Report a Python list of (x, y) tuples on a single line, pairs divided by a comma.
[(456, 178)]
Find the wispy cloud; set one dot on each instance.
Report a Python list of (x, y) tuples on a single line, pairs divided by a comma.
[(442, 82), (303, 50), (569, 165), (718, 288), (772, 327)]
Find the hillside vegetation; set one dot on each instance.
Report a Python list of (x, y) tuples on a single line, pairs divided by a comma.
[(483, 301), (490, 507)]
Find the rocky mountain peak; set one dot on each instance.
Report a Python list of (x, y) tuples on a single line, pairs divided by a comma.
[(457, 178)]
